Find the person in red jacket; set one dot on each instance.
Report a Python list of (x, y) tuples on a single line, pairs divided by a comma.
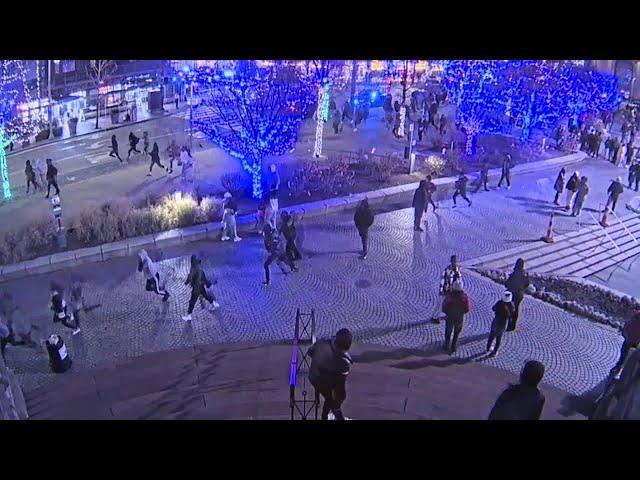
[(631, 333), (455, 306)]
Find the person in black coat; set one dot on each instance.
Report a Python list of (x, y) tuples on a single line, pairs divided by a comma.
[(363, 218), (274, 253), (461, 189), (430, 189), (52, 178), (114, 148), (614, 191), (199, 283), (58, 306), (634, 175), (133, 144), (419, 205), (507, 164), (155, 158), (517, 284), (559, 185), (30, 174), (288, 231), (484, 177), (523, 401), (504, 310)]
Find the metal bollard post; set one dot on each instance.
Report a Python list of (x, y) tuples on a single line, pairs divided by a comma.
[(61, 234)]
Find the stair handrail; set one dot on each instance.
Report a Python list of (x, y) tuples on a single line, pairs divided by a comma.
[(625, 227), (605, 231)]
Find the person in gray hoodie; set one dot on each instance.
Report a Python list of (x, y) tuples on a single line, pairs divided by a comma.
[(152, 276)]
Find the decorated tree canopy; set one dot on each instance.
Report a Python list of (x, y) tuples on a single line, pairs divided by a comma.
[(251, 112)]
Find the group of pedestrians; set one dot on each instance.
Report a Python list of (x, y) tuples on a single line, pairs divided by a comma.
[(44, 173)]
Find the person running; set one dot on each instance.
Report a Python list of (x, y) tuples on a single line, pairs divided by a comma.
[(363, 218), (330, 366), (58, 306), (523, 401), (631, 334), (507, 165), (517, 284), (503, 310), (145, 142), (572, 189), (155, 158), (133, 144), (30, 173), (559, 185), (461, 189), (199, 284), (41, 170), (614, 191), (151, 274), (455, 306), (114, 148), (430, 190), (419, 205), (275, 253), (173, 150), (52, 177), (187, 162), (484, 177), (581, 196), (288, 231), (229, 227)]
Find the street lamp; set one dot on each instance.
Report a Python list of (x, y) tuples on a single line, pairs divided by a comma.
[(49, 110)]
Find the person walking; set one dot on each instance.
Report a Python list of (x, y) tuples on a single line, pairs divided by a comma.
[(273, 178), (288, 231), (76, 301), (615, 190), (330, 366), (581, 196), (559, 185), (199, 283), (30, 174), (517, 284), (634, 175), (151, 274), (433, 111), (443, 124), (114, 148), (41, 171), (484, 177), (187, 163), (430, 190), (363, 218), (523, 401), (461, 189), (274, 253), (271, 213), (133, 144), (229, 227), (631, 334), (572, 189), (455, 306), (173, 150), (507, 165), (52, 177), (336, 118), (58, 306), (145, 142), (419, 205), (450, 275), (503, 312), (155, 158)]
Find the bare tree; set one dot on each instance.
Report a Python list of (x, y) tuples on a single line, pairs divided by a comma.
[(100, 71)]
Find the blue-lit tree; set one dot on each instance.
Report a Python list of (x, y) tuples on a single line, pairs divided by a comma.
[(252, 113)]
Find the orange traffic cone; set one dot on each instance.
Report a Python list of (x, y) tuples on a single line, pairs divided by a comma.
[(548, 238), (604, 222)]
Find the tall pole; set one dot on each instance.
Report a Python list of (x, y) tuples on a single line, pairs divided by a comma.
[(49, 111), (191, 118), (354, 72)]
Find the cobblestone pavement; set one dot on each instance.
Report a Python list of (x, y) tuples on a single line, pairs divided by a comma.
[(386, 299)]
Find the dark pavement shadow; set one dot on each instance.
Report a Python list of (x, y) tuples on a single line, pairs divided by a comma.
[(528, 200), (583, 404), (418, 364)]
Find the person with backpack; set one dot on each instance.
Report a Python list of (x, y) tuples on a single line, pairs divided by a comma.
[(274, 253), (419, 205), (517, 284), (330, 366), (461, 189), (523, 401), (363, 218), (30, 173), (151, 274), (572, 189), (133, 144), (559, 185), (114, 148), (503, 312), (155, 158), (52, 177), (455, 306), (199, 284)]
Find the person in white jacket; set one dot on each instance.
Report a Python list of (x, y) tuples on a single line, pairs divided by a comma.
[(271, 212), (146, 266), (229, 227)]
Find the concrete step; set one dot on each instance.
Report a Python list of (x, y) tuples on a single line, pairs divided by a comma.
[(614, 260)]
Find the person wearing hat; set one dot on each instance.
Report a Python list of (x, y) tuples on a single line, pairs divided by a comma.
[(330, 365), (504, 310), (507, 164), (615, 190), (523, 401), (230, 208), (455, 306)]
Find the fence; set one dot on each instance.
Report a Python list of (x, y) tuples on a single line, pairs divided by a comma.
[(299, 366)]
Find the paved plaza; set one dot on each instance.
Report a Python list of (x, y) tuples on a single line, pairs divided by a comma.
[(386, 299)]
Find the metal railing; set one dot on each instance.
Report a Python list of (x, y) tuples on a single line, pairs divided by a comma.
[(300, 364), (606, 234)]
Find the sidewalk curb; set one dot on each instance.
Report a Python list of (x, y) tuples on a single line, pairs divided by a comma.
[(32, 147), (123, 248)]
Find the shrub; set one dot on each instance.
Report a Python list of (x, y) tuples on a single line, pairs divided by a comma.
[(176, 211), (299, 183), (236, 183), (384, 167)]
